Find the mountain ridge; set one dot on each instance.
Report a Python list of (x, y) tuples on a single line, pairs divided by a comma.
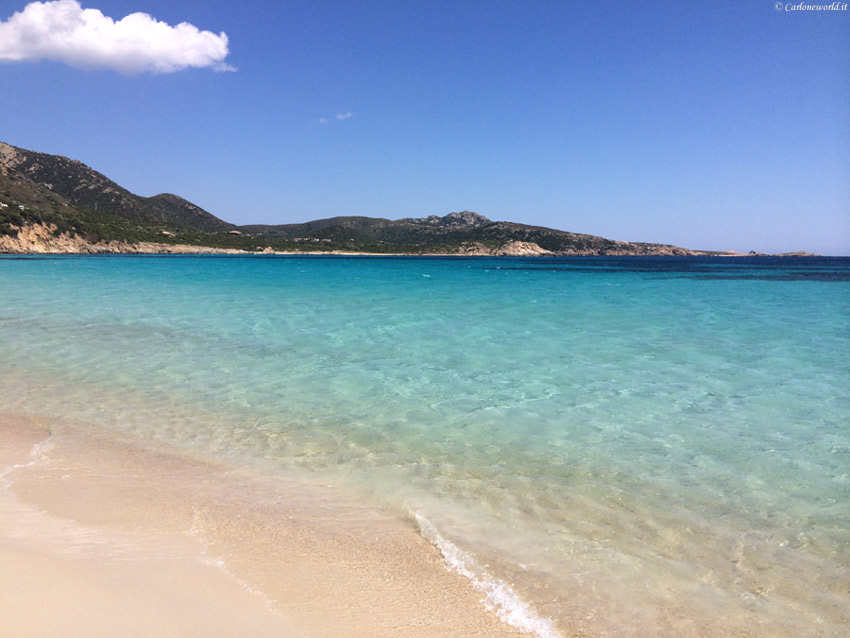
[(83, 186), (63, 198)]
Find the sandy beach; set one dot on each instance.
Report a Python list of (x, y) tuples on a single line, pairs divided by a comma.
[(104, 537)]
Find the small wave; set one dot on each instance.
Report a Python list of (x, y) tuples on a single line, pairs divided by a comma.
[(499, 596), (35, 456), (206, 558)]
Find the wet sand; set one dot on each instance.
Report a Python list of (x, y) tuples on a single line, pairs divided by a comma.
[(104, 537)]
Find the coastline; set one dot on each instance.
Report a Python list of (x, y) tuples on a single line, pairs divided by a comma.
[(43, 239), (106, 537)]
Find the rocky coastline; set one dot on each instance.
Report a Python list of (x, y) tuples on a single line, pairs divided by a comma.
[(39, 239), (46, 239)]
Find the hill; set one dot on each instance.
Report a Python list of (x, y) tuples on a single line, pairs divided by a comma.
[(50, 196), (459, 233), (53, 183)]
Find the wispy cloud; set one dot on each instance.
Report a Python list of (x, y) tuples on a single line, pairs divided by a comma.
[(63, 31), (338, 116)]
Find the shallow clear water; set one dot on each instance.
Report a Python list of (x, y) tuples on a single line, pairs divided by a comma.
[(654, 446)]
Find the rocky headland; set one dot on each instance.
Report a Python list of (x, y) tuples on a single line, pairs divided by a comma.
[(53, 204)]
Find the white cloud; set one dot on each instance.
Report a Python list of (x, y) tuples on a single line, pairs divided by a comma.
[(63, 31), (338, 116)]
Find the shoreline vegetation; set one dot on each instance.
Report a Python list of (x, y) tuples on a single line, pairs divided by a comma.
[(181, 546), (46, 239), (50, 204)]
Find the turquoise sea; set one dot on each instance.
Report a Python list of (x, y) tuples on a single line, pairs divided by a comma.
[(604, 446)]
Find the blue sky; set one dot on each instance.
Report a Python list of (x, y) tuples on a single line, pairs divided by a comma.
[(710, 125)]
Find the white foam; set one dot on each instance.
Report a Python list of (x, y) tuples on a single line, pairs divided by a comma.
[(206, 558), (36, 455), (499, 596)]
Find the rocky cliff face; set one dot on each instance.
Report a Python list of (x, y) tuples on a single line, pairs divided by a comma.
[(41, 238), (9, 158), (46, 239), (509, 249)]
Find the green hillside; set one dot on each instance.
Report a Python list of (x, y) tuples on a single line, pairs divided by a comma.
[(38, 188)]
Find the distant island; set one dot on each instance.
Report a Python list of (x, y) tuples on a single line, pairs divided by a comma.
[(52, 204)]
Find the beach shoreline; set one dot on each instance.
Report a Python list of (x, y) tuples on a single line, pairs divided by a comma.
[(424, 447), (105, 536)]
